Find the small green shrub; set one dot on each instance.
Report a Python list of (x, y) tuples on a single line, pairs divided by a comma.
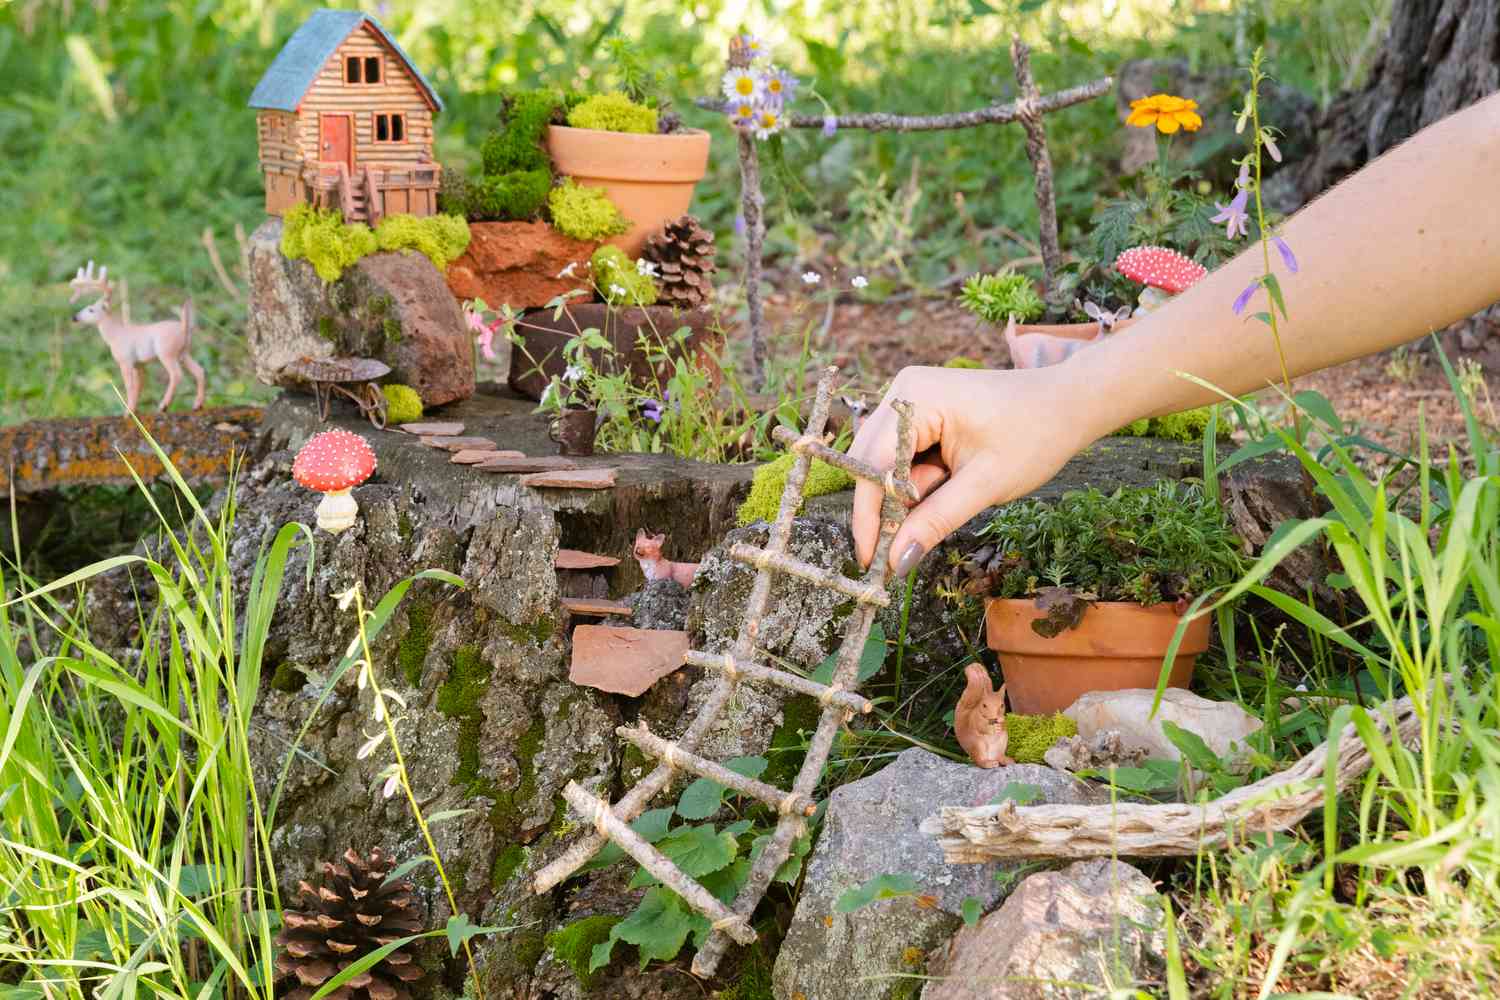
[(995, 297), (442, 238), (324, 240), (770, 479), (518, 196), (1147, 544), (518, 143), (585, 213), (403, 404), (613, 112), (1033, 735), (618, 280), (456, 193)]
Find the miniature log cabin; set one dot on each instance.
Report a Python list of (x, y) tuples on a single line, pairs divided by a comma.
[(345, 121)]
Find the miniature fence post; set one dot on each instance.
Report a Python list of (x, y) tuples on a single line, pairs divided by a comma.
[(1041, 163)]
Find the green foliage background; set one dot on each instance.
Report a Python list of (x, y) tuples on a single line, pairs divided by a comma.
[(126, 133)]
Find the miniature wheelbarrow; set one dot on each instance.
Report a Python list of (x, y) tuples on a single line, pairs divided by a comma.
[(353, 378)]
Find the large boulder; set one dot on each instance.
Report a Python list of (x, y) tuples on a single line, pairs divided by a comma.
[(871, 828), (1067, 935), (394, 307)]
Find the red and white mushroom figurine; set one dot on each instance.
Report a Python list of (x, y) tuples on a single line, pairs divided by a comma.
[(1164, 273), (333, 463)]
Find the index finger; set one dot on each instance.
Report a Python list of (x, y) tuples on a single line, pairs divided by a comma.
[(876, 444)]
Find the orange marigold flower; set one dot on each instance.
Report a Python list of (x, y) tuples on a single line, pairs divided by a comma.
[(1167, 112)]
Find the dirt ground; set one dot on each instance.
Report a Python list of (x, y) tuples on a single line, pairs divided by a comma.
[(1383, 396)]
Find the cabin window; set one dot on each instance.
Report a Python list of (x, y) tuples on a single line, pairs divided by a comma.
[(362, 69), (390, 128)]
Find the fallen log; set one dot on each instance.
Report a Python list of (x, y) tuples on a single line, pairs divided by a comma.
[(1132, 829)]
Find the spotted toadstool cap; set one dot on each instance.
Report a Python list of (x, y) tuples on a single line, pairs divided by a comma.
[(334, 461), (1159, 267)]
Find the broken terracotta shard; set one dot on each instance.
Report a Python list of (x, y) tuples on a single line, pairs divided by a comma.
[(625, 660)]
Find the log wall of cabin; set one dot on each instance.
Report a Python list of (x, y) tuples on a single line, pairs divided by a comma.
[(280, 160), (397, 91)]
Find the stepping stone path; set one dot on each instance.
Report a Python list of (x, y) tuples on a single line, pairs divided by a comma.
[(432, 429), (474, 456), (524, 464), (459, 443), (576, 479)]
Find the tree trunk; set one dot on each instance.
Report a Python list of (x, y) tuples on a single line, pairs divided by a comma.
[(1439, 56)]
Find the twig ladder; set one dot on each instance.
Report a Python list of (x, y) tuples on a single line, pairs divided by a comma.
[(838, 699)]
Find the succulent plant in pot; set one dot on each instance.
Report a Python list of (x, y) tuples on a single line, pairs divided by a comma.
[(1086, 594)]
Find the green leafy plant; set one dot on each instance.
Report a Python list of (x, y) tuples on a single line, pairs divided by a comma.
[(996, 297), (613, 112), (620, 280), (1167, 542), (584, 212)]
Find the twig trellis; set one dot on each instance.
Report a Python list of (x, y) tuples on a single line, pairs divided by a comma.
[(839, 699), (1028, 111)]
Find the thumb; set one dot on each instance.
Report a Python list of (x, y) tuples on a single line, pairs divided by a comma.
[(940, 514)]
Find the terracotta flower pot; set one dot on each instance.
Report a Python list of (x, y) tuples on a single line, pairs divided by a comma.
[(649, 177), (1036, 345), (1117, 646)]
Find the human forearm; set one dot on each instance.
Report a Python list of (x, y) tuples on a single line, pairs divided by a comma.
[(1408, 245)]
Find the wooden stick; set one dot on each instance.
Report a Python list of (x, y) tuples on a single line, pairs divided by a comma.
[(598, 812), (792, 682), (994, 114), (792, 566), (668, 753), (1030, 116), (1130, 829), (752, 209), (845, 672), (854, 466)]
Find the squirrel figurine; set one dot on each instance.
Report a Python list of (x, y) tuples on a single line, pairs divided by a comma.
[(979, 719), (648, 554)]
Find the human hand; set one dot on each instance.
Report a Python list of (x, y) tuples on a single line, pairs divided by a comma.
[(982, 437)]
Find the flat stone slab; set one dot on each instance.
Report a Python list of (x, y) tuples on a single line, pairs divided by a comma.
[(539, 463), (625, 660), (42, 455), (458, 443), (432, 428), (596, 606), (576, 479), (575, 559), (475, 456)]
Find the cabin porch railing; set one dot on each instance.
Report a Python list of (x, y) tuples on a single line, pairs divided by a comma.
[(376, 190)]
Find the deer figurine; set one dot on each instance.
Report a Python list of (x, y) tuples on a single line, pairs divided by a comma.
[(134, 344)]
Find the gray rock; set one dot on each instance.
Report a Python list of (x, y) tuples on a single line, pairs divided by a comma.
[(1223, 725), (1094, 926), (871, 828), (391, 306), (659, 604)]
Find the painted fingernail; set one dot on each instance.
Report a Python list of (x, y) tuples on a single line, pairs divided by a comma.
[(910, 558)]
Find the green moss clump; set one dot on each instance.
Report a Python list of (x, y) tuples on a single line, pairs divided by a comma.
[(618, 279), (392, 328), (584, 213), (517, 143), (507, 863), (770, 479), (326, 328), (573, 944), (288, 678), (324, 240), (468, 679), (536, 633), (613, 112), (1187, 426), (517, 196), (994, 298), (411, 651), (403, 404), (799, 715), (962, 362), (1033, 735), (441, 238)]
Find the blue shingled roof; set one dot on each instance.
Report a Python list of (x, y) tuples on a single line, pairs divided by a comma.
[(298, 63)]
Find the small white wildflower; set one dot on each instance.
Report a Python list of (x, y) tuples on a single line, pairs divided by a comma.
[(768, 122), (860, 281), (370, 745), (379, 708), (364, 674), (644, 266), (391, 784), (346, 597), (617, 291), (572, 373), (742, 85), (567, 272), (811, 277)]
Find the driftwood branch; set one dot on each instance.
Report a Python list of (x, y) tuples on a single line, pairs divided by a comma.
[(993, 114), (1028, 112), (753, 211), (1278, 802)]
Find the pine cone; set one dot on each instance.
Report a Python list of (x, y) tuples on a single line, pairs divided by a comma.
[(348, 916), (683, 253)]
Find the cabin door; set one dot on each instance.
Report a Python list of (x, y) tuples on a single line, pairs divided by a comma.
[(336, 142)]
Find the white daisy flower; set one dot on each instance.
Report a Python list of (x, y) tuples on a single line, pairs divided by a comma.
[(811, 277), (860, 281), (768, 122), (742, 84), (742, 113)]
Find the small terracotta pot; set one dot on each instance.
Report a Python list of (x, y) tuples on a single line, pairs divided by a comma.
[(1117, 646), (574, 431), (650, 178), (1039, 345)]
